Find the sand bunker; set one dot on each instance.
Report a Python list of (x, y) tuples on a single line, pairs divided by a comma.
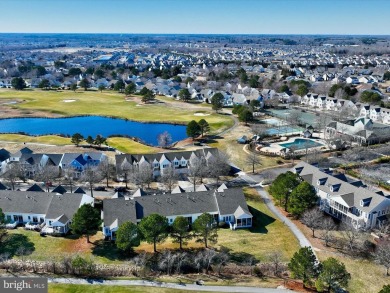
[(69, 101), (201, 114)]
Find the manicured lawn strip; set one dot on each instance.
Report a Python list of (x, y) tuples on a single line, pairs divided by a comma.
[(71, 288), (127, 145), (107, 104), (366, 276), (45, 139)]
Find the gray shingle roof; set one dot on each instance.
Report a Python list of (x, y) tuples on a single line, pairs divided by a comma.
[(136, 208), (350, 193), (66, 204)]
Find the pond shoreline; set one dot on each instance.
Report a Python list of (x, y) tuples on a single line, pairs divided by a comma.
[(94, 115), (94, 125)]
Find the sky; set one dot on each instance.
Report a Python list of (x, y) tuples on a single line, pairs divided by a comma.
[(360, 17)]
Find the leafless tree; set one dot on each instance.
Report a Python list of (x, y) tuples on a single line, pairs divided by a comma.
[(327, 227), (199, 261), (209, 257), (384, 227), (312, 219), (107, 169), (12, 173), (218, 166), (382, 256), (181, 259), (164, 139), (275, 258), (167, 261), (294, 99), (294, 118), (251, 262), (340, 94), (140, 262), (253, 160), (169, 178), (47, 174), (91, 175), (197, 170), (351, 236), (143, 175), (125, 169), (68, 176), (222, 259)]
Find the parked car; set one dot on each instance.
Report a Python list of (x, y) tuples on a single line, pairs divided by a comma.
[(99, 188), (120, 189)]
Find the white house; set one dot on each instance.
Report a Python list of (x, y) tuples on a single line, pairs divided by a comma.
[(53, 212), (225, 205), (350, 202)]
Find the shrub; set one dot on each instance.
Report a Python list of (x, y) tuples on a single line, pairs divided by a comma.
[(222, 225)]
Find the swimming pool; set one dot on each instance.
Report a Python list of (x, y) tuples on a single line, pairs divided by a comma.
[(301, 144)]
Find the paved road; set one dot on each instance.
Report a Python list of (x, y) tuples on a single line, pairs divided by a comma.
[(189, 287), (303, 241)]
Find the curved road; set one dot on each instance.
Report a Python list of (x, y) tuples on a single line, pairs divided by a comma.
[(189, 287), (303, 241)]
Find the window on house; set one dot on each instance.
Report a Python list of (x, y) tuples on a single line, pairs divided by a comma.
[(176, 163), (170, 220), (35, 219), (29, 217), (49, 223)]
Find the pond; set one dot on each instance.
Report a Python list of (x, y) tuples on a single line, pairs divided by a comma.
[(92, 125)]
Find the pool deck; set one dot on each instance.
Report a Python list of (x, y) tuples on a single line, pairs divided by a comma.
[(276, 148)]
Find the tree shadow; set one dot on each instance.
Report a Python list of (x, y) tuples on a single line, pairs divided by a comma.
[(17, 244), (108, 249), (260, 221)]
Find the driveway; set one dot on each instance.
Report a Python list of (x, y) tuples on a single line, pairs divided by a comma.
[(189, 287)]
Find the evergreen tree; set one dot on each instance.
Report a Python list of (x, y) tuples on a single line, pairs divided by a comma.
[(154, 229), (303, 197), (217, 101), (282, 187), (127, 236), (333, 276), (205, 228), (303, 265), (180, 231), (77, 138), (204, 126), (86, 221), (193, 129)]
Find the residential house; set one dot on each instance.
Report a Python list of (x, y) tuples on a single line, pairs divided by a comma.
[(54, 212), (361, 130), (160, 162), (225, 205), (345, 199)]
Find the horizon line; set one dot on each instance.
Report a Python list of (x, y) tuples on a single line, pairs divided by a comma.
[(196, 34)]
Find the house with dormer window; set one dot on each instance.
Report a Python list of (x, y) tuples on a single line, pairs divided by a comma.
[(345, 199), (162, 161)]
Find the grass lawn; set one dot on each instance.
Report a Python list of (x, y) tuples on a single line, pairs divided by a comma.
[(366, 276), (71, 288), (44, 248), (107, 104), (44, 139), (127, 145), (268, 234)]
